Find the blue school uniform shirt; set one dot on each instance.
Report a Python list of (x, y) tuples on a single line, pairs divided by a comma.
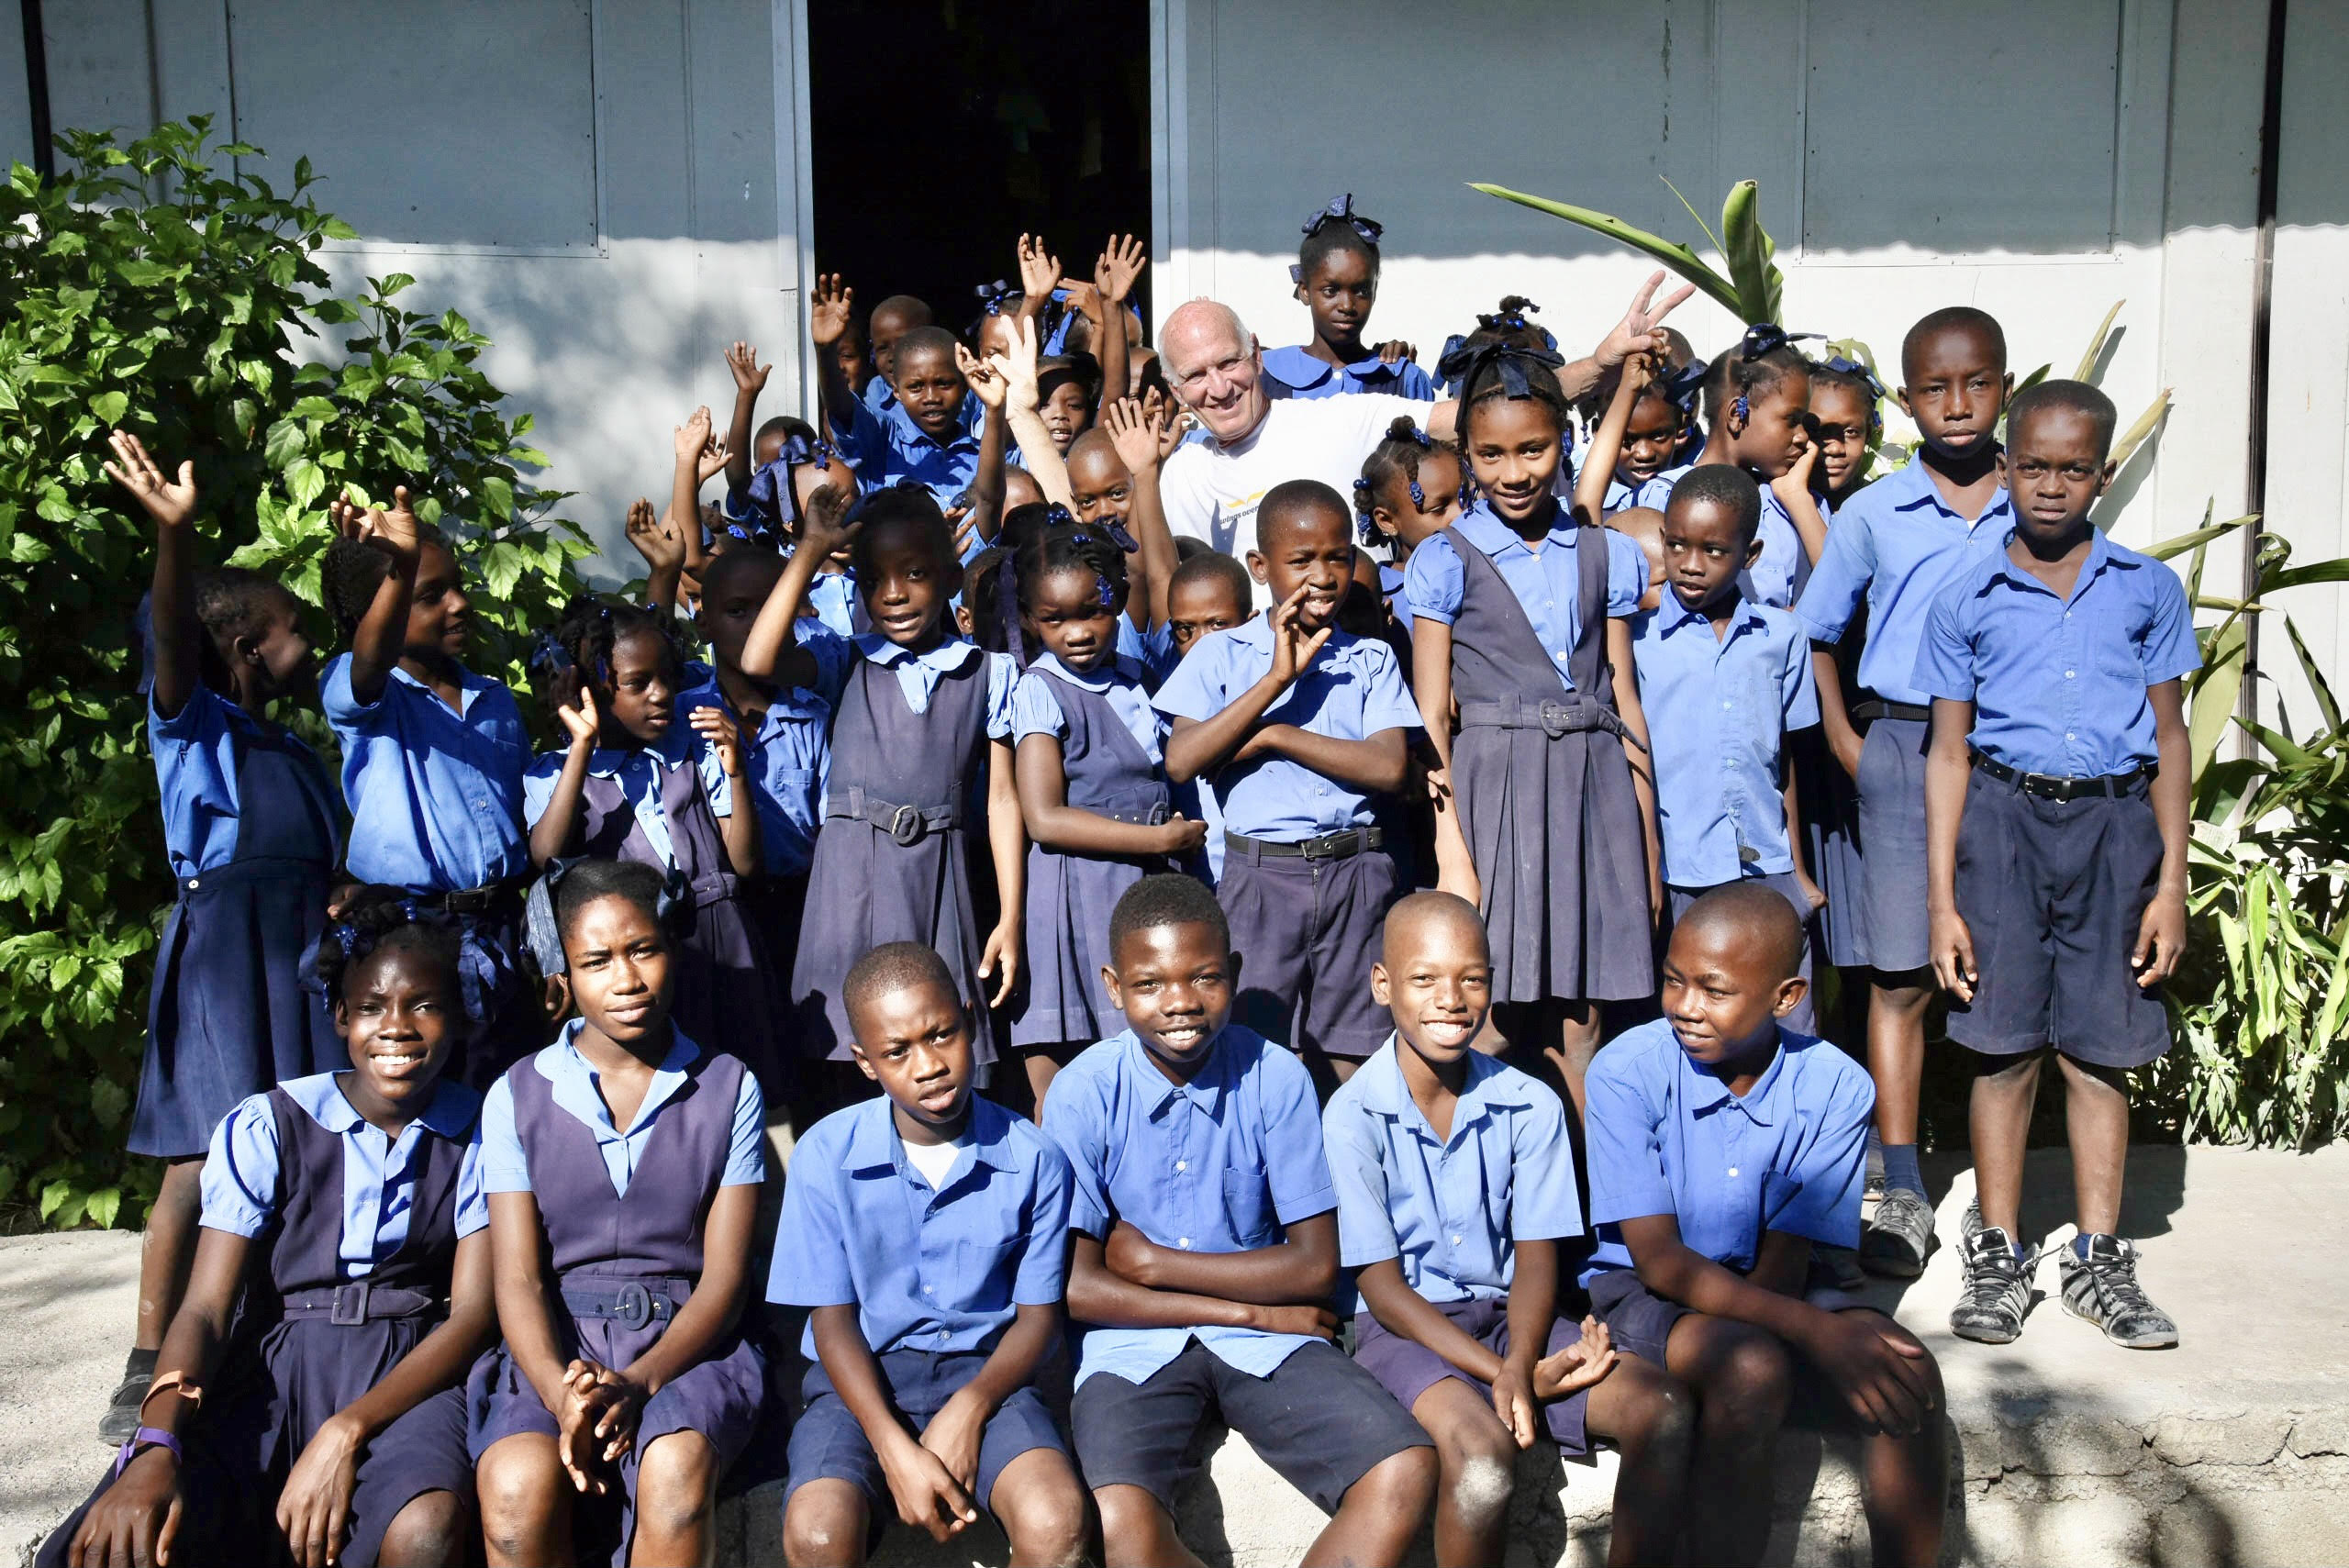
[(1621, 497), (505, 1169), (1664, 1136), (240, 1185), (2061, 685), (1224, 1163), (1547, 583), (1297, 372), (1449, 1211), (1352, 689), (434, 795), (832, 596), (935, 1270), (1719, 712), (1894, 544), (195, 772), (919, 673), (1036, 710), (1781, 571), (785, 755), (886, 445), (640, 773)]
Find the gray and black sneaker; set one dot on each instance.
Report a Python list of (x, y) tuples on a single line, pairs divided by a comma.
[(1899, 1236), (121, 1418), (2103, 1288), (1997, 1292), (1970, 1226)]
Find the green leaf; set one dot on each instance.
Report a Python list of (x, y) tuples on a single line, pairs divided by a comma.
[(334, 229), (288, 440), (1747, 248), (2096, 343), (1678, 257), (2215, 694), (2178, 544), (110, 406)]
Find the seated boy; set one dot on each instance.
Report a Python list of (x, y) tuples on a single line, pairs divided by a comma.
[(927, 1229), (1206, 1250), (1724, 679), (2055, 792), (1455, 1182), (1722, 1146), (1299, 726)]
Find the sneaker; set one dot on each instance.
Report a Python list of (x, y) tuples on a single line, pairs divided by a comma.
[(2103, 1289), (121, 1420), (1899, 1236), (1970, 1226), (1996, 1291)]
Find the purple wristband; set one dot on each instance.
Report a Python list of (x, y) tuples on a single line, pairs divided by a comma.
[(147, 1438)]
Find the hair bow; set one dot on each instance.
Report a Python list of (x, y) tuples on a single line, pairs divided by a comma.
[(1466, 363), (547, 659), (1765, 337), (1843, 366), (992, 296), (1342, 211), (1680, 387)]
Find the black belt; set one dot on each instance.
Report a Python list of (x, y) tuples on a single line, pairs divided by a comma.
[(2060, 787), (907, 824), (359, 1302), (1578, 714), (633, 1302), (1341, 845), (486, 899), (1876, 707)]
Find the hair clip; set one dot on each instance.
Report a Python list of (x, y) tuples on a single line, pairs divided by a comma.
[(1740, 409), (1104, 592), (1509, 359), (1342, 211), (348, 937), (1842, 366), (1767, 337), (1368, 529), (1418, 496)]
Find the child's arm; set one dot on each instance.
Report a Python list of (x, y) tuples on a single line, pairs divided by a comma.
[(1793, 490), (1119, 267), (1037, 453), (1377, 763), (986, 483), (1138, 431), (1198, 746), (697, 459), (1833, 717), (1607, 445), (526, 1317), (771, 650), (827, 317), (1052, 822), (927, 1494), (956, 1432), (750, 380), (551, 833), (705, 1321), (1951, 944), (663, 545), (739, 826), (1635, 729), (172, 606), (1791, 798), (2161, 933), (1299, 1270), (1100, 1294), (1432, 688), (1407, 1314), (1007, 841), (381, 637)]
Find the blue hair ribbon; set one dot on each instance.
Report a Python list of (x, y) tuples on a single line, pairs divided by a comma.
[(1680, 387), (1342, 211), (1509, 359), (1842, 366), (1767, 337), (995, 295)]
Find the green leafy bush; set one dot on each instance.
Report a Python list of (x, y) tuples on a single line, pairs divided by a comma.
[(143, 289)]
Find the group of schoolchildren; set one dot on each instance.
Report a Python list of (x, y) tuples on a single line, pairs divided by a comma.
[(466, 1106)]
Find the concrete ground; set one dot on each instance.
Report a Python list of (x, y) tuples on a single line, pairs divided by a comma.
[(2232, 1448)]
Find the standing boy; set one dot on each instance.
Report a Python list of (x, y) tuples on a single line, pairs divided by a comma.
[(1724, 679), (1298, 725), (927, 1228), (1206, 1249), (1897, 542), (2056, 804)]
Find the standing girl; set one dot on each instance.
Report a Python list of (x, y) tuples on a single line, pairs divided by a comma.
[(1517, 614), (311, 1379), (1336, 275), (250, 819), (622, 1164)]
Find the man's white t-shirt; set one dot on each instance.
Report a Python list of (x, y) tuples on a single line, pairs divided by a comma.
[(1211, 491)]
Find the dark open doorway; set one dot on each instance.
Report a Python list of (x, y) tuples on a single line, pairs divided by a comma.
[(943, 130)]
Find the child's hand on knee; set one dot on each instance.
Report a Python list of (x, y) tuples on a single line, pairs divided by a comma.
[(954, 1434), (1577, 1366), (928, 1497), (1513, 1401), (1883, 1373)]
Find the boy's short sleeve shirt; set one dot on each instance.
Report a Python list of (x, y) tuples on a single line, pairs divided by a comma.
[(1719, 711), (940, 1270), (1224, 1163), (2061, 687), (1449, 1211), (435, 795), (887, 446), (1665, 1137), (1352, 689), (1547, 583), (1782, 569)]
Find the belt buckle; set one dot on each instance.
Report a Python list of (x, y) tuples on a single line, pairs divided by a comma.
[(1319, 849), (349, 1309), (905, 825), (1556, 719), (1157, 814), (634, 1305)]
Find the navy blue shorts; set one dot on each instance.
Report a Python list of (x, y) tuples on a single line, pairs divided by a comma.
[(1408, 1369), (1308, 931), (2052, 892), (1893, 934), (1804, 1019), (1319, 1420), (828, 1443)]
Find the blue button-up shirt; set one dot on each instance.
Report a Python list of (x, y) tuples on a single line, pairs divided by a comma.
[(787, 754), (927, 1269), (640, 774), (1895, 543), (195, 772), (578, 1091), (919, 673), (434, 795), (2061, 685), (1665, 1137), (1547, 583), (1352, 689), (1450, 1210), (240, 1182), (1784, 566), (1719, 712), (1036, 709), (1224, 1163), (1295, 372), (884, 445)]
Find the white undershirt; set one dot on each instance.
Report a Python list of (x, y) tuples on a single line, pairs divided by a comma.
[(936, 1160)]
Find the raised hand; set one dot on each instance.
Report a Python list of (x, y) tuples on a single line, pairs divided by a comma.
[(988, 386), (1039, 271), (829, 310), (748, 374), (581, 721), (825, 527), (1293, 646), (715, 456), (1642, 324), (655, 539), (393, 530), (1119, 267), (721, 734), (1172, 423), (1135, 430), (692, 438), (1017, 365), (170, 503)]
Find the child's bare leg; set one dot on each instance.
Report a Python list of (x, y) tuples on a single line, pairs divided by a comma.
[(1742, 1377), (1040, 1504), (1906, 1484), (1379, 1514), (2096, 1114), (1042, 1068), (1999, 1122), (1577, 1035), (1650, 1418), (525, 1503), (167, 1251), (1897, 1004), (1476, 1471), (434, 1530), (824, 1526), (676, 1503), (1136, 1532)]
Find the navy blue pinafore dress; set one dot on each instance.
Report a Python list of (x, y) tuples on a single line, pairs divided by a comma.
[(229, 1015)]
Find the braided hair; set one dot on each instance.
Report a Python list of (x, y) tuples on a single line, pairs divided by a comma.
[(1330, 235), (1736, 376), (377, 918), (589, 628), (1396, 460), (1491, 378), (230, 602), (1063, 545)]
